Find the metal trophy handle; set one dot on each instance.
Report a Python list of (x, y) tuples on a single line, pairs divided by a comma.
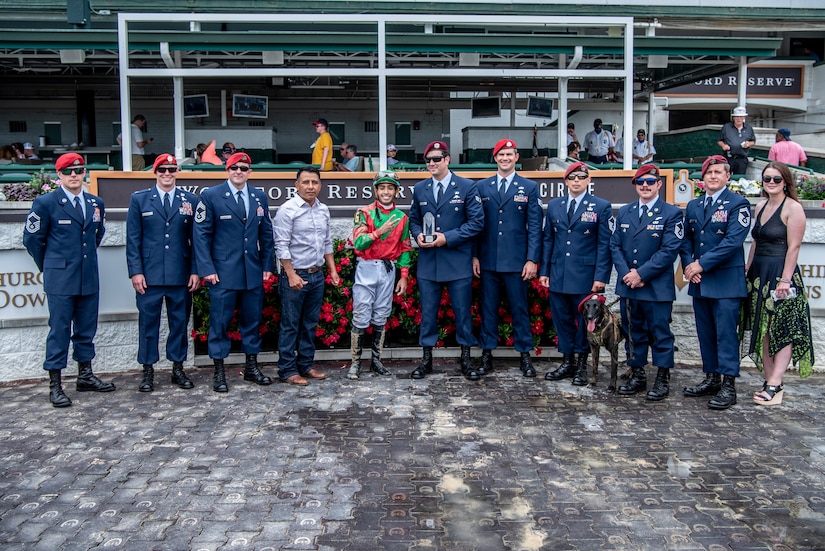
[(429, 227)]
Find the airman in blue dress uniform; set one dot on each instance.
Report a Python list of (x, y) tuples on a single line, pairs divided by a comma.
[(575, 262), (455, 207), (162, 268), (235, 252), (63, 230), (713, 260), (507, 253), (644, 246)]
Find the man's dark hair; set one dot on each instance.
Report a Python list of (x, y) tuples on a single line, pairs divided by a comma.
[(307, 168), (139, 118)]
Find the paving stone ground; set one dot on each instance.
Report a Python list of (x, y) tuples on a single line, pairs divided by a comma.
[(506, 463)]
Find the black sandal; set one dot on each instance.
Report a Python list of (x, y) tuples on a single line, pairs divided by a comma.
[(774, 391)]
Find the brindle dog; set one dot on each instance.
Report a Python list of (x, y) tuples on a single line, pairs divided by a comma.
[(603, 330)]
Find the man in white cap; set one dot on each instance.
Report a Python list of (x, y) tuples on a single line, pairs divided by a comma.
[(28, 151), (735, 139), (392, 151)]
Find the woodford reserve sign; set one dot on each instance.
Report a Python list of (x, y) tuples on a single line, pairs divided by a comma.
[(764, 81)]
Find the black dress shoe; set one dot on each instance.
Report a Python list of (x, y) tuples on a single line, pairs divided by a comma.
[(565, 370), (526, 365), (486, 363), (710, 385)]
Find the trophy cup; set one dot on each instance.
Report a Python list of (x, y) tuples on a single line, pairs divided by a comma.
[(429, 227)]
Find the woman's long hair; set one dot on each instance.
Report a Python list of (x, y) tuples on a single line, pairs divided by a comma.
[(787, 177)]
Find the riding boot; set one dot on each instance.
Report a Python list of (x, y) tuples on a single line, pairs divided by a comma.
[(179, 376), (219, 380), (251, 372), (467, 367), (377, 349), (565, 370), (726, 397), (426, 365), (486, 363), (526, 365), (147, 384), (661, 386), (86, 380), (637, 382), (356, 347), (580, 378), (56, 395), (711, 385)]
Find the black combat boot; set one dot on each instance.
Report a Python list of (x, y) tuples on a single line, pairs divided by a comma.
[(377, 349), (426, 365), (251, 372), (637, 382), (580, 378), (526, 365), (661, 386), (486, 363), (726, 397), (467, 367), (87, 382), (710, 385), (565, 370), (356, 347), (219, 380), (147, 384), (179, 376), (56, 395)]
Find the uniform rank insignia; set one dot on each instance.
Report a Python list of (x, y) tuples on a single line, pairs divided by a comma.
[(186, 208), (612, 224), (722, 216), (590, 216), (679, 230), (744, 217), (33, 223), (96, 215), (200, 212), (260, 211)]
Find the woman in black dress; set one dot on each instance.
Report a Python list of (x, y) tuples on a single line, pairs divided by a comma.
[(776, 311)]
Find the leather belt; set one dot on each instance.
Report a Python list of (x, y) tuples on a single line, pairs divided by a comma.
[(311, 270)]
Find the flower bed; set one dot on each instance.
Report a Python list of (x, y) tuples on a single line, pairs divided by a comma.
[(336, 313)]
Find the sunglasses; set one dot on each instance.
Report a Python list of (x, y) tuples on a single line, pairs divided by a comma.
[(75, 170), (578, 176), (165, 169), (645, 181), (776, 179), (241, 168), (428, 160)]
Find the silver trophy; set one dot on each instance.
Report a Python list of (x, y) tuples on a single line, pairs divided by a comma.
[(429, 227)]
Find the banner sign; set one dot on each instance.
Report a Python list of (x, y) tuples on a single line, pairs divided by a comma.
[(781, 81)]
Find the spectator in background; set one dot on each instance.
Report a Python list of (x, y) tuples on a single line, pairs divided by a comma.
[(342, 151), (138, 142), (392, 152), (207, 155), (736, 138), (787, 151), (28, 151), (574, 151), (351, 160), (598, 143), (322, 147), (643, 150), (227, 151), (571, 133)]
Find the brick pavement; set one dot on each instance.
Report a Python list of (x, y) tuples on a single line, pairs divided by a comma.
[(393, 464)]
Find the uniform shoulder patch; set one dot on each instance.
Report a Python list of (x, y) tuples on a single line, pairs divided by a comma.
[(679, 230), (200, 212), (612, 224), (33, 222), (744, 217)]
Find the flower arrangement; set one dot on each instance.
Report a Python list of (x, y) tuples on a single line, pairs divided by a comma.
[(39, 184), (403, 324), (810, 187)]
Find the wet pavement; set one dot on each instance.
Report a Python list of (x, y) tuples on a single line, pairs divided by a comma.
[(507, 463)]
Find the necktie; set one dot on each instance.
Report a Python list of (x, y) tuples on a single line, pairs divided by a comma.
[(502, 188), (708, 206), (440, 192), (643, 212), (571, 211), (239, 197), (78, 208), (167, 204)]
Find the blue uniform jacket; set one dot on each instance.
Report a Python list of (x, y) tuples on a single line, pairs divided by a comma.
[(716, 242), (239, 252), (158, 247), (576, 254), (458, 216), (512, 228), (63, 245), (650, 246)]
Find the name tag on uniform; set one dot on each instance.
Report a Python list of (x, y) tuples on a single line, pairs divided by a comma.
[(150, 213), (422, 203), (64, 221), (226, 217)]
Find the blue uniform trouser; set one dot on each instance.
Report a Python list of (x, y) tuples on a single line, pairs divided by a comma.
[(222, 304), (717, 321), (460, 291), (178, 306), (569, 325), (648, 325), (300, 311), (71, 317), (515, 289)]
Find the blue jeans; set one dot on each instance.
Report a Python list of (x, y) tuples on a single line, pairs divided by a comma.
[(300, 310)]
